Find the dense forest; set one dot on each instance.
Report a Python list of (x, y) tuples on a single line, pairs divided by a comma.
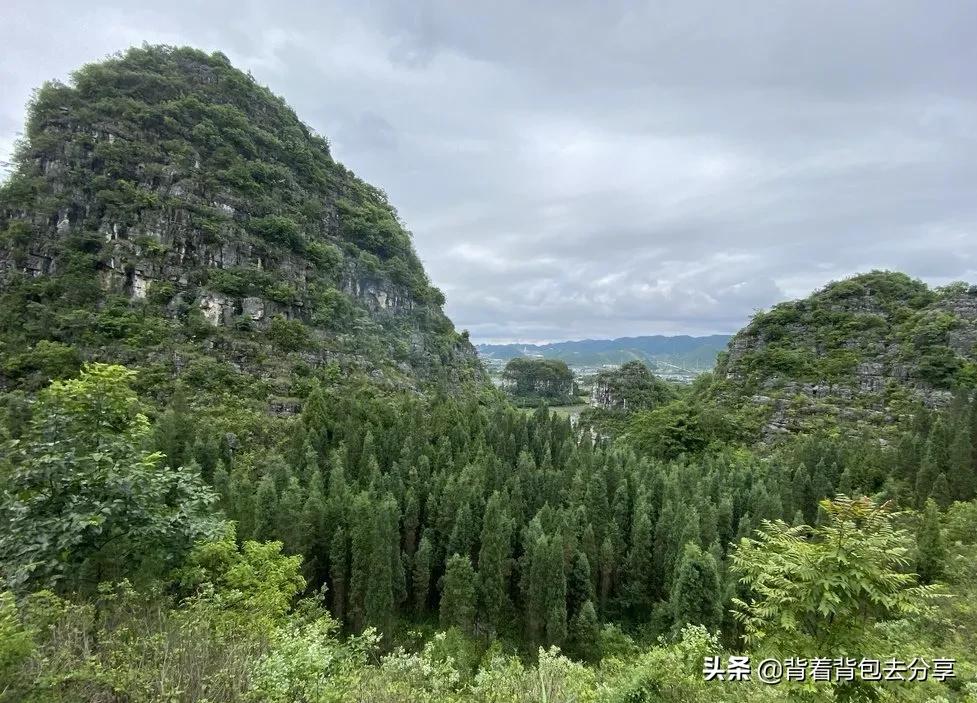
[(213, 492)]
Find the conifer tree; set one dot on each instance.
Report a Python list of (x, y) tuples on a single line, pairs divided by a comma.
[(338, 572), (930, 550), (580, 588), (362, 542), (380, 584), (494, 561), (266, 510), (422, 573), (464, 532), (458, 595), (639, 566), (607, 569), (961, 476), (940, 492), (585, 634), (289, 518), (696, 595), (175, 430), (554, 592)]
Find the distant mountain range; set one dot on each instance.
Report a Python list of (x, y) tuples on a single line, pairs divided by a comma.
[(659, 351)]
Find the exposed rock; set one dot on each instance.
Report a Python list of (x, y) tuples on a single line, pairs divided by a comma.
[(861, 352)]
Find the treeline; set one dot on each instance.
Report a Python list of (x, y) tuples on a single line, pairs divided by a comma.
[(125, 576), (503, 523)]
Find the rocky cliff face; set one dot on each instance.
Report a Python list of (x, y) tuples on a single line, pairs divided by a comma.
[(861, 352), (167, 202)]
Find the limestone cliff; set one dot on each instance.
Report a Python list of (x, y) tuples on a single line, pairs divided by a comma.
[(860, 352), (167, 211)]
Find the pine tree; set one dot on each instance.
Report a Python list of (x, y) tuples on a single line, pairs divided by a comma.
[(696, 594), (458, 595), (930, 550)]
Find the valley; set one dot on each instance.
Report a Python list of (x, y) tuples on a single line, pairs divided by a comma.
[(247, 456)]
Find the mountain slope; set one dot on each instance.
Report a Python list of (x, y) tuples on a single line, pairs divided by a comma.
[(860, 352), (168, 212)]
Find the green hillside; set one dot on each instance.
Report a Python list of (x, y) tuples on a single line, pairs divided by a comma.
[(245, 457), (168, 212), (860, 353)]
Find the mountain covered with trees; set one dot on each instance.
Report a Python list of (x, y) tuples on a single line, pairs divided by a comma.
[(169, 213), (245, 457), (860, 352), (693, 353), (535, 381)]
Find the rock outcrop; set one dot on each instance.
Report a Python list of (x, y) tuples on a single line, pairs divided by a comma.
[(861, 352), (167, 180), (630, 388)]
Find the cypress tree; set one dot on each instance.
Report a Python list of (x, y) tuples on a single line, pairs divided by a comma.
[(458, 595), (555, 592), (412, 521), (639, 565), (175, 430), (338, 572), (289, 519), (265, 510), (314, 538), (207, 454), (463, 533), (422, 572), (380, 585), (580, 589), (607, 568), (696, 594), (940, 492), (494, 561), (930, 550), (961, 458), (362, 542), (585, 634)]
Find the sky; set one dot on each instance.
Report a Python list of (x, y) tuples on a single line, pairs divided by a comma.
[(600, 169)]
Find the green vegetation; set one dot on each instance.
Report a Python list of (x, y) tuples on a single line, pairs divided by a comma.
[(529, 382), (165, 210), (868, 348), (507, 530), (622, 392), (271, 470)]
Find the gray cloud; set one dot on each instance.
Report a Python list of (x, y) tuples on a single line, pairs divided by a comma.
[(613, 168)]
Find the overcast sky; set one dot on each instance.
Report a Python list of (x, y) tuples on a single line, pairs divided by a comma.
[(600, 169)]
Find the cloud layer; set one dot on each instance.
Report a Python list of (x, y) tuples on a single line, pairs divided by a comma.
[(604, 169)]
